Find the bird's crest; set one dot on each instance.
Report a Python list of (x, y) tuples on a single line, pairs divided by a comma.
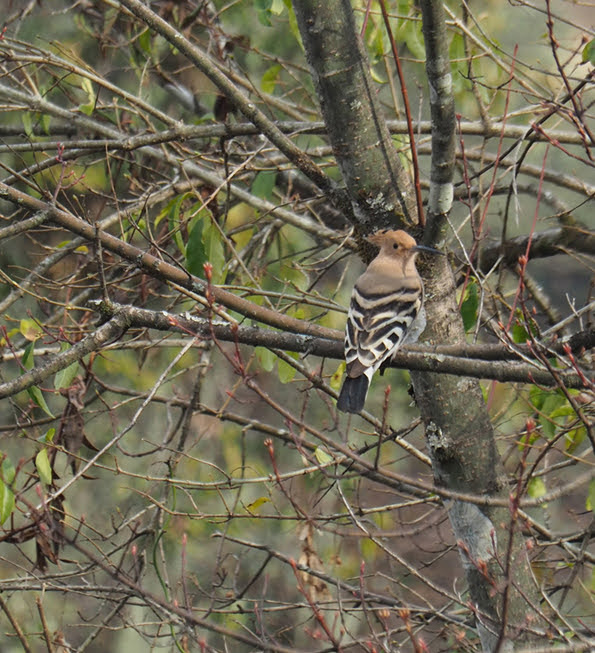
[(396, 239)]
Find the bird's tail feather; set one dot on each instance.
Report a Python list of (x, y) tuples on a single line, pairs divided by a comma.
[(353, 394)]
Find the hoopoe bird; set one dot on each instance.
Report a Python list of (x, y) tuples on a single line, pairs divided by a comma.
[(386, 311)]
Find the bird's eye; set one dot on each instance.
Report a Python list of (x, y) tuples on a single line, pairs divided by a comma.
[(395, 246)]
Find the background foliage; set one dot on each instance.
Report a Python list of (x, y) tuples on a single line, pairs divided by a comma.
[(160, 490)]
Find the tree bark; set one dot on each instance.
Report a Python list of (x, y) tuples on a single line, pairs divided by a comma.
[(379, 188)]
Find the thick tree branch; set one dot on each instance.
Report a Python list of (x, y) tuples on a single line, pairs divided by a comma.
[(443, 119), (225, 131), (231, 91), (380, 191), (160, 269), (444, 360), (143, 143), (459, 433), (543, 244), (422, 358), (95, 341)]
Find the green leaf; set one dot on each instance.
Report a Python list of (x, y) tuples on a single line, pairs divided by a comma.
[(369, 549), (322, 456), (42, 463), (144, 42), (403, 10), (30, 330), (46, 119), (536, 487), (6, 502), (255, 505), (575, 438), (554, 405), (377, 41), (166, 211), (263, 9), (538, 396), (458, 64), (521, 328), (519, 333), (263, 184), (377, 77), (266, 358), (214, 252), (590, 503), (286, 371), (49, 435), (89, 106), (37, 396), (7, 474), (174, 208), (27, 359), (413, 37), (470, 305), (8, 471), (27, 123), (456, 49), (589, 52), (196, 255), (65, 377), (293, 26), (270, 78), (335, 382)]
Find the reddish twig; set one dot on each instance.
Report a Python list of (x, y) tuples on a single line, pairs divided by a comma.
[(579, 111), (556, 143), (523, 260), (416, 175), (419, 646), (477, 232), (315, 609), (268, 443), (515, 502)]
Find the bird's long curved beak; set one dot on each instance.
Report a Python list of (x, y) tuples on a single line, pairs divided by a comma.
[(423, 248)]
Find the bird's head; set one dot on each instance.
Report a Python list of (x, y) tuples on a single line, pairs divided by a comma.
[(397, 242), (391, 240)]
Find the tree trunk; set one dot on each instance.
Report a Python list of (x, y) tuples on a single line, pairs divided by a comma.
[(459, 434), (379, 188)]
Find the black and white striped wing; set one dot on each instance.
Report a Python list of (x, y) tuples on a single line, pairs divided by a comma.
[(377, 324)]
